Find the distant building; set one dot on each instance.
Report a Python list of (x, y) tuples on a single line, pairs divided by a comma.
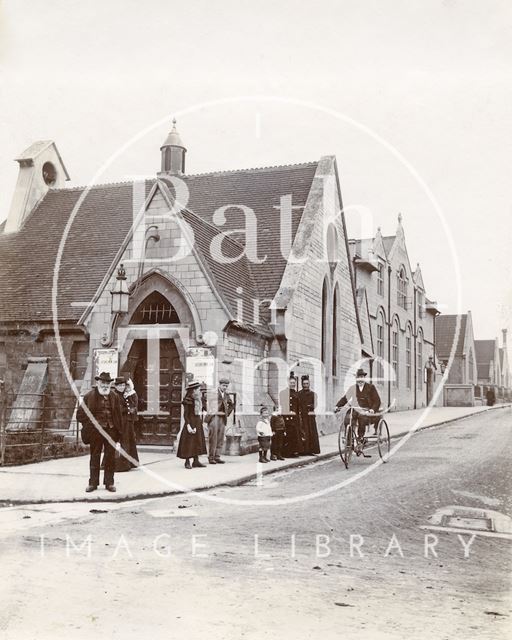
[(455, 344), (493, 368), (402, 320)]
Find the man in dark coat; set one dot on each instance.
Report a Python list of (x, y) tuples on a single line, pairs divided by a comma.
[(216, 420), (490, 396), (362, 395), (105, 408), (290, 410), (307, 405)]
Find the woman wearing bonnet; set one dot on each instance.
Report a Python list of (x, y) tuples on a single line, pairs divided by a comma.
[(129, 401), (192, 443)]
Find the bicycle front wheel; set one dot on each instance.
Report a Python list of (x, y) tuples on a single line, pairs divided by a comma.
[(345, 440), (383, 440)]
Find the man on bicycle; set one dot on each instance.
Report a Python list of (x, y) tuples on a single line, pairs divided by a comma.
[(362, 395)]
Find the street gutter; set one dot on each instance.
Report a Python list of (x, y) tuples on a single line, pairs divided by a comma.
[(295, 463)]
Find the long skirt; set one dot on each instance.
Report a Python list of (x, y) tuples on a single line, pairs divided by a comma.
[(128, 445), (191, 444)]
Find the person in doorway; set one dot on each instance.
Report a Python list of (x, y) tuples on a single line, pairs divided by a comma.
[(105, 408), (128, 399), (278, 432), (216, 420), (363, 395), (289, 402), (307, 405), (264, 432), (192, 443)]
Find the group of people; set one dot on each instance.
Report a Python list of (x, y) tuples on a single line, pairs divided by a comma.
[(114, 407), (289, 431)]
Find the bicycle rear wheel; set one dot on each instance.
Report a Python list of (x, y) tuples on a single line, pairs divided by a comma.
[(383, 440), (345, 440)]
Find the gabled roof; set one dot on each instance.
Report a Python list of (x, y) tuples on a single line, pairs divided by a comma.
[(445, 334), (388, 242), (485, 350), (483, 371), (27, 258)]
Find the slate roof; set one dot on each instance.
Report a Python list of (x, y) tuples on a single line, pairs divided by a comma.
[(484, 351), (445, 334), (27, 258), (483, 371)]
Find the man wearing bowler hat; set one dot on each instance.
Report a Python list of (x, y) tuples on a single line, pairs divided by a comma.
[(216, 420), (362, 395), (105, 407)]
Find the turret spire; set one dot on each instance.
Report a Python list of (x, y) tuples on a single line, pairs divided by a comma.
[(173, 153)]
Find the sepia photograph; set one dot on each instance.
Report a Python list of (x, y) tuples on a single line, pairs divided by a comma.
[(255, 319)]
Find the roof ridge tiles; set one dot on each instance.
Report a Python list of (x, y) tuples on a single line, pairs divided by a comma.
[(265, 168), (190, 175)]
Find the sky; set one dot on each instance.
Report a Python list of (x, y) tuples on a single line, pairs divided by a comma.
[(412, 97)]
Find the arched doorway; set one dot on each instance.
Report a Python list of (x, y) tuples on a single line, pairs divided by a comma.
[(155, 365)]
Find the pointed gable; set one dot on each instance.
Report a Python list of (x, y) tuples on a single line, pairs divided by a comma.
[(418, 278), (103, 221), (446, 327)]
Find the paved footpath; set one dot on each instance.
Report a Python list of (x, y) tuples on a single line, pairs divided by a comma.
[(161, 473)]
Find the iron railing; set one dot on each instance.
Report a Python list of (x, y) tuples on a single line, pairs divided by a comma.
[(36, 427)]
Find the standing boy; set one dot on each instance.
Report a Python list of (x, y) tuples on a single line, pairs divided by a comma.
[(264, 431)]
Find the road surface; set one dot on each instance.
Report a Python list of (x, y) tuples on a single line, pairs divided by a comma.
[(418, 548)]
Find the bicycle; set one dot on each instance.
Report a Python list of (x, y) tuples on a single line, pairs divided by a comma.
[(349, 442)]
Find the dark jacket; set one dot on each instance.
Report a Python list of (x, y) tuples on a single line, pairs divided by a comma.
[(366, 398), (93, 400), (221, 409)]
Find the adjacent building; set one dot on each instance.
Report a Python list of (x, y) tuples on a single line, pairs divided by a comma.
[(493, 368), (456, 348), (402, 319)]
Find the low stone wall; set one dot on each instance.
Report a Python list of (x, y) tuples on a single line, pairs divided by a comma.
[(458, 395)]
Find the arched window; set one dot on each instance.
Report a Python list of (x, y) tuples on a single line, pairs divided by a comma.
[(155, 309), (402, 288), (325, 306), (419, 365), (381, 321), (395, 351), (408, 357), (335, 314)]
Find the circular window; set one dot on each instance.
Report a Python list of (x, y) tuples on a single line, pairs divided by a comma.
[(49, 173)]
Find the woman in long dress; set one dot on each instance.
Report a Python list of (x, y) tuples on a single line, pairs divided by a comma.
[(192, 442), (129, 402)]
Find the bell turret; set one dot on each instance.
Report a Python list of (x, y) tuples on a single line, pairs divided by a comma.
[(173, 153)]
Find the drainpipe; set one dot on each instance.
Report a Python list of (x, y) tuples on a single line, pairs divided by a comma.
[(389, 331)]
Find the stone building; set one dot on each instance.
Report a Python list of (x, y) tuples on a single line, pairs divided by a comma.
[(493, 368), (241, 273), (401, 334), (456, 349)]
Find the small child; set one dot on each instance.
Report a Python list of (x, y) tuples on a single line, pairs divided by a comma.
[(278, 430), (264, 431)]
